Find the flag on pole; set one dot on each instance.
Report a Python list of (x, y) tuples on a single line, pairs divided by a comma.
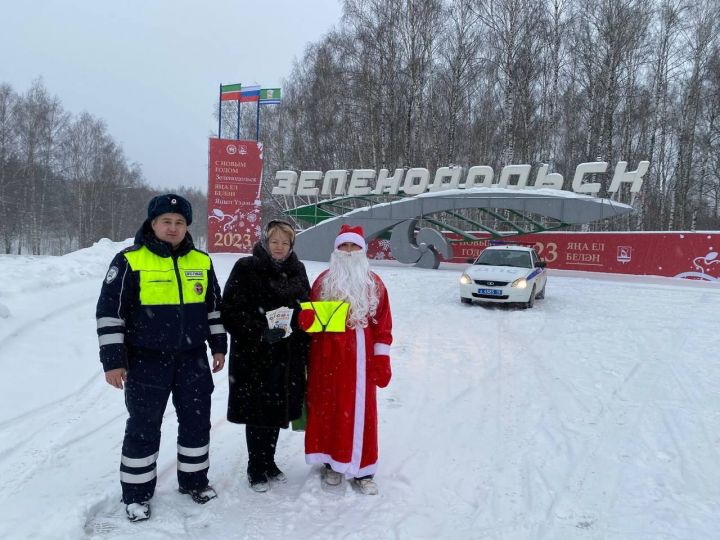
[(270, 96), (249, 93), (230, 92)]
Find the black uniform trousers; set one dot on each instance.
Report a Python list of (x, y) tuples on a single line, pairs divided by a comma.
[(152, 377)]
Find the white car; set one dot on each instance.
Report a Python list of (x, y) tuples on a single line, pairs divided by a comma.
[(504, 274)]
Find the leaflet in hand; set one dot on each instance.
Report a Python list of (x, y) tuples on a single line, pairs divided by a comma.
[(280, 318)]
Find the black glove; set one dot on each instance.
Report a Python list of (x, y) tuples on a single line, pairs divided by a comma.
[(273, 335)]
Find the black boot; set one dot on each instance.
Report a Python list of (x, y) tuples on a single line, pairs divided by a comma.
[(259, 440), (275, 474), (200, 496), (258, 480)]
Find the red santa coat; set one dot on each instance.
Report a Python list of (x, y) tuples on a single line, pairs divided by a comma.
[(342, 409)]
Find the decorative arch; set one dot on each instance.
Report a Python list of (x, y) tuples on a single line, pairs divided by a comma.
[(424, 247)]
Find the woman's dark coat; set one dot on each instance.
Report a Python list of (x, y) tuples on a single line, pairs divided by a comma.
[(267, 382)]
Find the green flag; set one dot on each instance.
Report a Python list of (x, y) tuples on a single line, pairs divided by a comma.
[(270, 96)]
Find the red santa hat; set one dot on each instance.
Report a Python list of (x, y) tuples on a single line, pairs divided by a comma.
[(354, 235)]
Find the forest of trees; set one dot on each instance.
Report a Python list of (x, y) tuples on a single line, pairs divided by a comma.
[(64, 182), (423, 83), (429, 83)]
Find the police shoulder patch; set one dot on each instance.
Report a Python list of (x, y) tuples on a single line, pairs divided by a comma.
[(111, 275)]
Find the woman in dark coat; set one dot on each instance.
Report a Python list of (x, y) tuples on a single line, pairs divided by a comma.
[(266, 368)]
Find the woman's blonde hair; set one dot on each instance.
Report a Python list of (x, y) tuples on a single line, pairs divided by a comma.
[(280, 226)]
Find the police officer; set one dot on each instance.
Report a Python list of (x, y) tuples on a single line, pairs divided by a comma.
[(159, 304)]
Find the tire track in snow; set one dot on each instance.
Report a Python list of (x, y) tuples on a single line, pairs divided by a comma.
[(576, 504), (565, 488), (513, 407), (582, 442), (29, 415), (32, 324), (30, 440)]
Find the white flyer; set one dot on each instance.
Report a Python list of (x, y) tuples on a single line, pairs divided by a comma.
[(280, 318)]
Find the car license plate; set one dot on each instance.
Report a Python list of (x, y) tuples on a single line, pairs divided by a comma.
[(490, 292)]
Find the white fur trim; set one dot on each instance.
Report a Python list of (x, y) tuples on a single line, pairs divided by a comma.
[(346, 469), (352, 237), (365, 471), (381, 349), (359, 427)]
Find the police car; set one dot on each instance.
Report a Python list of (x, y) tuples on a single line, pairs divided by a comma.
[(504, 274)]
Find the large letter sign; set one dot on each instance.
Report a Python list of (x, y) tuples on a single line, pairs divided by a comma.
[(418, 180)]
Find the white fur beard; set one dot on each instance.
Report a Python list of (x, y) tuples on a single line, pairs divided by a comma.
[(349, 279)]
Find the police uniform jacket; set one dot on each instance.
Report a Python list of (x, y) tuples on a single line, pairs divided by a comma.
[(267, 381), (158, 299)]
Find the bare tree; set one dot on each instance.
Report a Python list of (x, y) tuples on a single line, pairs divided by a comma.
[(700, 43), (459, 58), (659, 151), (417, 48), (9, 206), (39, 122), (556, 25), (509, 30), (404, 83), (711, 151), (64, 181)]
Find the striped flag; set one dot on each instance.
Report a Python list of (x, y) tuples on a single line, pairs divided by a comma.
[(249, 93), (270, 96), (230, 92)]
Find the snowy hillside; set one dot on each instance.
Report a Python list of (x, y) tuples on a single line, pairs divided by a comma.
[(595, 415)]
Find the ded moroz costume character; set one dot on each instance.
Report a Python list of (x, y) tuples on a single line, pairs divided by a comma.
[(346, 366)]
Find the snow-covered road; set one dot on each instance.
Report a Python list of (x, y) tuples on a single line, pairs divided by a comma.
[(594, 415)]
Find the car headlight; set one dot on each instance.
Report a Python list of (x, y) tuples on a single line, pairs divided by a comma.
[(465, 279), (519, 283)]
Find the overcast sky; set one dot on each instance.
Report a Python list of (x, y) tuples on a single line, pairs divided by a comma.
[(151, 68)]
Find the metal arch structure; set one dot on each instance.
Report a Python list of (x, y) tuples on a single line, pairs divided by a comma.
[(424, 247)]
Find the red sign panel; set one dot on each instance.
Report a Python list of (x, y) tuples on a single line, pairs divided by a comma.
[(234, 173), (688, 255)]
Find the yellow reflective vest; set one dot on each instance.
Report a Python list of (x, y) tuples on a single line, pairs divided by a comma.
[(164, 283), (163, 303)]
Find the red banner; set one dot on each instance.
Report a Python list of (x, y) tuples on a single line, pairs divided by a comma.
[(234, 173), (689, 255)]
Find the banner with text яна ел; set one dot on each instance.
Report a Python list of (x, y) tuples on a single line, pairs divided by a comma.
[(234, 176), (689, 255)]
